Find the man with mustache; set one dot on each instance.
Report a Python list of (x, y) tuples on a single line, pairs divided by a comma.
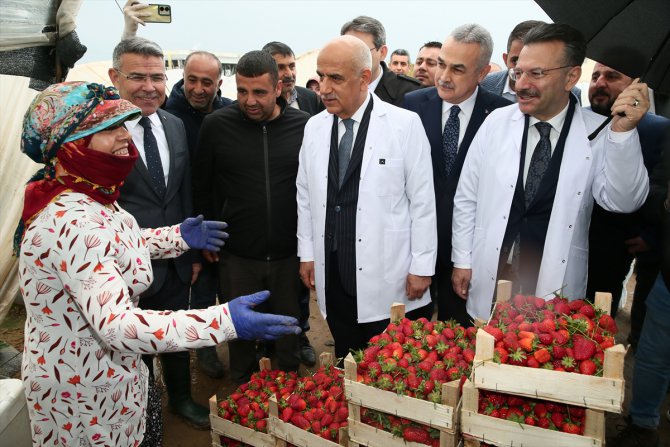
[(297, 97), (451, 113), (244, 172), (366, 208), (500, 82), (523, 204), (616, 239), (157, 193)]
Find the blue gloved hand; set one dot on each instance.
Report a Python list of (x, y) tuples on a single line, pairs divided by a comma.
[(251, 325), (203, 234)]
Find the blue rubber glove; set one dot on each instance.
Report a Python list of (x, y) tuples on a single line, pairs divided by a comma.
[(251, 325), (203, 234)]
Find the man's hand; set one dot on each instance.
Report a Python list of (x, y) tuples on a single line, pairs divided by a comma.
[(195, 271), (633, 104), (307, 274), (210, 256), (416, 286), (460, 281), (636, 245)]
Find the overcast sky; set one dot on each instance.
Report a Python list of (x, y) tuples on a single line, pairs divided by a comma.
[(241, 26)]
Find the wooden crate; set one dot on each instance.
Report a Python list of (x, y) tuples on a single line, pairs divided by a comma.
[(443, 417), (229, 429), (288, 433), (481, 428), (600, 393)]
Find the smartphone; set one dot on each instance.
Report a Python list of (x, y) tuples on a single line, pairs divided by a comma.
[(159, 14)]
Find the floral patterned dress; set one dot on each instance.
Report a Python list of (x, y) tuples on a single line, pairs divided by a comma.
[(82, 268)]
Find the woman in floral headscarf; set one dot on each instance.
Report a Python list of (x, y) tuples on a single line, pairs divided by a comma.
[(83, 263)]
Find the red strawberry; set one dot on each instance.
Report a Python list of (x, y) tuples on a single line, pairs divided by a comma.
[(532, 363), (570, 427), (501, 355), (587, 367), (587, 310), (517, 358), (496, 332), (543, 422), (542, 355), (562, 308), (530, 420), (416, 434), (607, 323), (540, 410), (299, 421), (558, 352), (557, 419), (576, 304), (583, 347)]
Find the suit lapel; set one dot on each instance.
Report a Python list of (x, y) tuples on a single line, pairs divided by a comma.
[(175, 172), (479, 114)]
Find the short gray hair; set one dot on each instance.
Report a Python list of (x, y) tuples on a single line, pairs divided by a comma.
[(474, 33), (360, 58), (367, 25), (135, 45)]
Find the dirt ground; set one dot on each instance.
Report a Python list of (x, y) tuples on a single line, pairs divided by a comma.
[(179, 434)]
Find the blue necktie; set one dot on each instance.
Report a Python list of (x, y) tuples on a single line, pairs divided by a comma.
[(539, 162), (450, 139), (344, 149), (153, 158)]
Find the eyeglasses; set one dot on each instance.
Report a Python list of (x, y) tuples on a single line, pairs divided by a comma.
[(536, 73), (142, 78), (373, 49)]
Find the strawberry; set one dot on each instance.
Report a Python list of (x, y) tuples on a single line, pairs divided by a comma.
[(517, 358), (545, 339), (587, 310), (558, 352), (416, 434), (527, 344), (570, 427), (496, 332), (500, 355), (607, 323), (587, 367), (557, 419), (532, 362), (562, 308), (530, 420), (583, 347), (542, 355), (300, 422)]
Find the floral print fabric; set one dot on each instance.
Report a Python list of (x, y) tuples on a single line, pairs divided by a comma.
[(82, 267)]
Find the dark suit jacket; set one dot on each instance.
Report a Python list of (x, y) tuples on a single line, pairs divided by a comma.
[(308, 101), (140, 199), (392, 87), (495, 83), (428, 105)]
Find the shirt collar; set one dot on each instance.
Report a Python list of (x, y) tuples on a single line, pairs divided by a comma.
[(556, 122), (154, 118), (373, 84), (358, 115), (506, 88), (467, 106), (294, 96)]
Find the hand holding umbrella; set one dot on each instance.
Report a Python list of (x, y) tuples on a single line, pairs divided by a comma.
[(630, 107)]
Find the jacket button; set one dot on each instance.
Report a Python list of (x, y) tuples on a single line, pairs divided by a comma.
[(338, 208), (360, 240), (360, 268)]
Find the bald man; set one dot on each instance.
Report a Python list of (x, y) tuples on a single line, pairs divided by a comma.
[(366, 204)]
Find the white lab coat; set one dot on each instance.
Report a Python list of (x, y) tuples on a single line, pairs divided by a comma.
[(611, 172), (396, 230)]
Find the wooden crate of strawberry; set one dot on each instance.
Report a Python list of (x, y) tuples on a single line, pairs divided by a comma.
[(555, 350), (507, 420), (315, 414), (241, 418), (404, 388)]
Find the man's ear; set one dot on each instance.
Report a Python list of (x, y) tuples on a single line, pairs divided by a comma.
[(505, 58), (383, 50), (366, 76), (113, 76), (573, 77)]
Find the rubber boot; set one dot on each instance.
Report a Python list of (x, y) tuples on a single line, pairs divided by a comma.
[(177, 378)]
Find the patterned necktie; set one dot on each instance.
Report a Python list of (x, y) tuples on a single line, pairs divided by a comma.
[(344, 149), (153, 158), (538, 162), (450, 139)]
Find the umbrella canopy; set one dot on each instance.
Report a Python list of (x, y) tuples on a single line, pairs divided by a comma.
[(630, 36)]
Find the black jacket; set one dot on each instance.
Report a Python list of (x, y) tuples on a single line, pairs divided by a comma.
[(308, 101), (192, 118), (244, 174), (392, 87)]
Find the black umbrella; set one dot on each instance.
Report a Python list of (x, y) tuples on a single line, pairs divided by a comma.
[(630, 36)]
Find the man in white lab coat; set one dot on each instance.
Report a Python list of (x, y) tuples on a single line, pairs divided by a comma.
[(366, 208), (523, 204)]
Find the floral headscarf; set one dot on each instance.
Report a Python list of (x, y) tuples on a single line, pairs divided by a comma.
[(57, 128)]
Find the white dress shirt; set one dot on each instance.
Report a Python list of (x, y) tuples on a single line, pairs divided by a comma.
[(467, 107), (137, 132), (357, 117)]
